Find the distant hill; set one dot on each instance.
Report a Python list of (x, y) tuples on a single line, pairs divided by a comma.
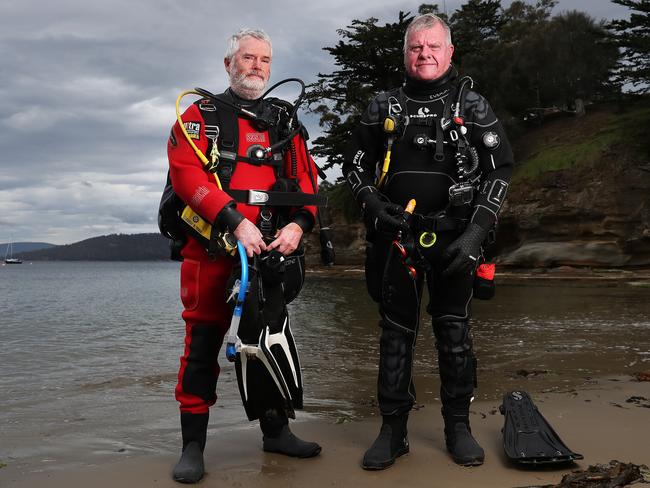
[(114, 247), (19, 247)]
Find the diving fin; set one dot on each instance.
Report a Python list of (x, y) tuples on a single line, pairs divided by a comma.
[(269, 373), (282, 356), (527, 437)]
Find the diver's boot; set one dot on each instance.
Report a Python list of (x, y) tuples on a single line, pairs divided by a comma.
[(277, 437), (190, 468), (461, 444), (391, 443)]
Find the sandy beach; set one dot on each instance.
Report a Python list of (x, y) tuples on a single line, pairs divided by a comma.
[(598, 420)]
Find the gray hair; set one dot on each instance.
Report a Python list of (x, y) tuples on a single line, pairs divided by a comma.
[(233, 42), (426, 21)]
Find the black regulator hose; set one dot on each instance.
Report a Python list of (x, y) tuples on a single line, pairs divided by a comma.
[(213, 97), (298, 101), (459, 113), (327, 254), (327, 248), (253, 115)]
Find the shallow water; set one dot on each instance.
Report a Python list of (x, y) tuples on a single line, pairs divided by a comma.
[(90, 353)]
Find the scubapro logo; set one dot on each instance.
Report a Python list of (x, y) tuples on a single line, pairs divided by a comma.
[(423, 113)]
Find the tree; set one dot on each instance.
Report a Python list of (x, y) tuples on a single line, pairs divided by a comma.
[(475, 27), (539, 61), (633, 38), (520, 17), (582, 59), (560, 60), (520, 57), (494, 36), (369, 59)]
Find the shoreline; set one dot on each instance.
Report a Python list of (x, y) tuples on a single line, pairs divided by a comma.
[(605, 419), (510, 275)]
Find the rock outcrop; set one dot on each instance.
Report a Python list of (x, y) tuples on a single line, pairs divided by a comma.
[(594, 213)]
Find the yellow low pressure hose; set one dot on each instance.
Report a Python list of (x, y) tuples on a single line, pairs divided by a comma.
[(198, 152), (390, 127), (384, 169)]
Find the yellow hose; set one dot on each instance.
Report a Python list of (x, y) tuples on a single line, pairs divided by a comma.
[(384, 168), (197, 151)]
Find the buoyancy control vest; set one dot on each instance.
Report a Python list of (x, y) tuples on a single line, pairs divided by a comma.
[(221, 126), (442, 136), (176, 219)]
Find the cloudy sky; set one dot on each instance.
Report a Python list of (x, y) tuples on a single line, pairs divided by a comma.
[(87, 93)]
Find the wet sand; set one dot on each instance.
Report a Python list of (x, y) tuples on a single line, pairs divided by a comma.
[(595, 420)]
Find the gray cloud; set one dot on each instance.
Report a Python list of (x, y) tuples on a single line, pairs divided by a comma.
[(87, 93)]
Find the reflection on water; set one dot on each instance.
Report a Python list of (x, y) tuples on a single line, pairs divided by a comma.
[(90, 352), (532, 337)]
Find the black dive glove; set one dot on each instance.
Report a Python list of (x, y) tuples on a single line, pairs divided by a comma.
[(385, 217), (464, 252)]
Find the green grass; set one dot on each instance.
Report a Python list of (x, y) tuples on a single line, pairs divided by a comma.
[(564, 156), (629, 127)]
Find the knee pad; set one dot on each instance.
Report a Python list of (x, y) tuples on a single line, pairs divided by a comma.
[(456, 361), (452, 337), (202, 368), (396, 357)]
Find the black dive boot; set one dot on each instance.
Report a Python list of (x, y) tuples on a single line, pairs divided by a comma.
[(278, 438), (190, 467), (391, 443), (461, 444)]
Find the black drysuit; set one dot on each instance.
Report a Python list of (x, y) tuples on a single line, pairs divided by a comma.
[(423, 167)]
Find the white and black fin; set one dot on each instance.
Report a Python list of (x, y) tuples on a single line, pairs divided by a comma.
[(269, 373)]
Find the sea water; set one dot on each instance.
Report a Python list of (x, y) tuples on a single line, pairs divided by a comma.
[(90, 353)]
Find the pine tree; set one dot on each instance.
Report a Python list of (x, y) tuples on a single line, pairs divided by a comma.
[(633, 38), (475, 27), (520, 57), (369, 58)]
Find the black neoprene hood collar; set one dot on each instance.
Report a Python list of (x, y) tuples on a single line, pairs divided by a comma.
[(415, 88), (242, 102)]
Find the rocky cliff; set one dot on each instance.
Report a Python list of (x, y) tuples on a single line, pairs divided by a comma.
[(580, 195)]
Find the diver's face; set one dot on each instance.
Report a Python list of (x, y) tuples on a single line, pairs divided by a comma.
[(249, 69), (428, 55)]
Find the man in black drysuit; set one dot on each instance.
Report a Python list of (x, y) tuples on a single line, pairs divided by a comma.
[(456, 163)]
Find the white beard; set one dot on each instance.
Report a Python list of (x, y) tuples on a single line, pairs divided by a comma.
[(250, 88)]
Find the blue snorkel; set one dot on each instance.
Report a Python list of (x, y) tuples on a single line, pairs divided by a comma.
[(231, 347)]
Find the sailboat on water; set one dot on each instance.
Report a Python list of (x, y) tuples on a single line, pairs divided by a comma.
[(9, 259)]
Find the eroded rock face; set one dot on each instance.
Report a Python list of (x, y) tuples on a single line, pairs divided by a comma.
[(563, 219), (569, 253), (349, 239), (594, 214), (591, 217)]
